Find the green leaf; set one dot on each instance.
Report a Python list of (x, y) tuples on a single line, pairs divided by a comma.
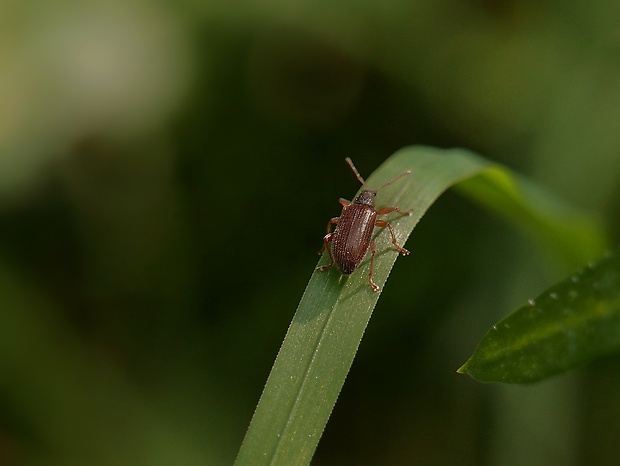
[(572, 237), (327, 328), (568, 325)]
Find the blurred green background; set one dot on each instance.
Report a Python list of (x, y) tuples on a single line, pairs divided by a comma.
[(166, 173)]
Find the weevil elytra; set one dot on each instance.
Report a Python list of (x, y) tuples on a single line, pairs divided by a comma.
[(351, 239)]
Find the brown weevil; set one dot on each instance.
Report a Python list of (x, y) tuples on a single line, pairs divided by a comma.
[(352, 237)]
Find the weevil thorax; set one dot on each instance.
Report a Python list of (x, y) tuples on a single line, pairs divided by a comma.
[(366, 197)]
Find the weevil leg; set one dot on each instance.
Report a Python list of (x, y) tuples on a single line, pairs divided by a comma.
[(373, 250), (382, 224), (333, 221), (327, 239), (387, 210)]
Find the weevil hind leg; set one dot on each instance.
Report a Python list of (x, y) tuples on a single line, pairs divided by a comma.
[(332, 221), (326, 240), (373, 251), (382, 224)]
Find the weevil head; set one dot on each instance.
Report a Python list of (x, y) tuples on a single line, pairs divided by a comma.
[(366, 197)]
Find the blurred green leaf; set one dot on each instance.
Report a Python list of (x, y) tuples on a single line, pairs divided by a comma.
[(69, 394), (334, 311), (568, 325), (568, 236)]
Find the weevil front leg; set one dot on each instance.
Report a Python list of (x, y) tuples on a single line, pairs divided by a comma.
[(382, 224), (327, 239)]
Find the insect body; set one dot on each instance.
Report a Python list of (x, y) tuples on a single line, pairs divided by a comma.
[(352, 237)]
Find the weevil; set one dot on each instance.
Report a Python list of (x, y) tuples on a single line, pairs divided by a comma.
[(352, 237)]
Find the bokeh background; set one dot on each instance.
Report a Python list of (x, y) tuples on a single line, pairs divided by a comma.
[(166, 173)]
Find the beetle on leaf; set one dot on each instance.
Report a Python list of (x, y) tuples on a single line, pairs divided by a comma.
[(351, 239)]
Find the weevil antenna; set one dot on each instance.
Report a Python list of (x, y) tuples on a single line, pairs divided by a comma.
[(357, 174), (408, 172)]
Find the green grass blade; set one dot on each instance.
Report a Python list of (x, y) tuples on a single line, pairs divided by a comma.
[(327, 328), (568, 325)]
